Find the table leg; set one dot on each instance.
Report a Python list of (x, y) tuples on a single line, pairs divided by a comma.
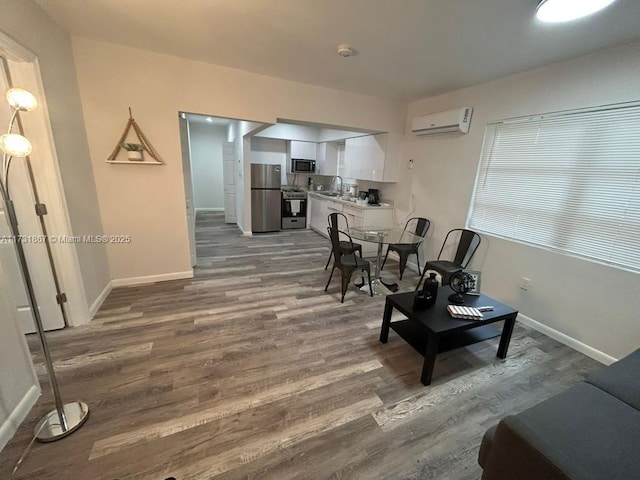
[(505, 338), (430, 353), (378, 286), (378, 260), (386, 321)]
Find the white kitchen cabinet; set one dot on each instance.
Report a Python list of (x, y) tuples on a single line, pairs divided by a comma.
[(353, 154), (327, 158), (335, 207), (372, 157), (318, 214), (304, 150), (368, 217), (357, 216)]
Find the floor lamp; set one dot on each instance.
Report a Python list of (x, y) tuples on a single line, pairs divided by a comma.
[(66, 418)]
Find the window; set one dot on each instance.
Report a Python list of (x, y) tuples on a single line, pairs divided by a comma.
[(567, 181)]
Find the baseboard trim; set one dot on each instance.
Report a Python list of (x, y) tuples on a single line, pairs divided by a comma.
[(95, 306), (206, 209), (245, 233), (567, 340), (10, 426), (126, 282)]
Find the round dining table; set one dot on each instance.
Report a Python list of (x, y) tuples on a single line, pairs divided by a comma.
[(383, 236)]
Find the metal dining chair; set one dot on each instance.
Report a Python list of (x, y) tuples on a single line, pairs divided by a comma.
[(418, 226), (345, 247), (347, 263), (468, 242)]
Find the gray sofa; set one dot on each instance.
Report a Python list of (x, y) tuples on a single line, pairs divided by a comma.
[(589, 432)]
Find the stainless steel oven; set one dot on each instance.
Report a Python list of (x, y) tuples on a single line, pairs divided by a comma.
[(294, 209)]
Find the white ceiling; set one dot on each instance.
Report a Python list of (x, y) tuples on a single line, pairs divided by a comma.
[(407, 49)]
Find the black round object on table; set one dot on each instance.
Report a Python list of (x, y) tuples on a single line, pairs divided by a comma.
[(460, 282)]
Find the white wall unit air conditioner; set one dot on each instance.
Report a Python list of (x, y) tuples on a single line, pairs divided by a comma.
[(451, 121)]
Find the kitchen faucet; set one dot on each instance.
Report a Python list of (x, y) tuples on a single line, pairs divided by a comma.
[(341, 182)]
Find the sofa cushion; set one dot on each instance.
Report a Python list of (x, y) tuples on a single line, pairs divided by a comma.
[(622, 379), (514, 453), (485, 446), (583, 433)]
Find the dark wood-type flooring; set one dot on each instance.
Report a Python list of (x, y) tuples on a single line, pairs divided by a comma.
[(249, 370)]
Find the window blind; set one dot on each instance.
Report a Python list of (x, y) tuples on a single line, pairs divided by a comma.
[(567, 181)]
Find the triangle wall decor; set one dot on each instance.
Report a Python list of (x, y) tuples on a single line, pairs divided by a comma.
[(135, 150)]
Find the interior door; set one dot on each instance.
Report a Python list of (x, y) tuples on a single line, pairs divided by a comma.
[(34, 248), (229, 162), (188, 187)]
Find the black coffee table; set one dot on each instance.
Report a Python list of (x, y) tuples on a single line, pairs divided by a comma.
[(433, 330)]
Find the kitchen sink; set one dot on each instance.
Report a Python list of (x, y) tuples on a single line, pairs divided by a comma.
[(328, 194)]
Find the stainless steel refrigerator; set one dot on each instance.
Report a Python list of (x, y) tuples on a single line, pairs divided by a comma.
[(265, 198)]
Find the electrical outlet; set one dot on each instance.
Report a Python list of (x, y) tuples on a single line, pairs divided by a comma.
[(525, 283)]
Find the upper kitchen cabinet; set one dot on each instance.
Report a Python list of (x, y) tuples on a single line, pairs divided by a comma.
[(372, 157), (304, 150), (327, 158)]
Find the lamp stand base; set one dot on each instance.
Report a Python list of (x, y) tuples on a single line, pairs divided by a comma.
[(49, 429), (456, 298)]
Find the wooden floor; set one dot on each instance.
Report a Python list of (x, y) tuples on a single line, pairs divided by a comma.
[(250, 370)]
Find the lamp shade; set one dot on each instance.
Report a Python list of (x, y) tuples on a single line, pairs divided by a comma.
[(21, 99), (555, 11), (15, 145)]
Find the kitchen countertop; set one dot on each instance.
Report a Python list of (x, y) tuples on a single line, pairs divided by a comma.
[(349, 203)]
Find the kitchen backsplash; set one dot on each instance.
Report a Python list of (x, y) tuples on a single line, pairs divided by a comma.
[(325, 181)]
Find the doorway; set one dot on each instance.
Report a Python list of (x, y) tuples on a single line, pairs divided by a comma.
[(208, 164), (23, 199), (20, 68)]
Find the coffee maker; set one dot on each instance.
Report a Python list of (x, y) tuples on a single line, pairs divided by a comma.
[(374, 196)]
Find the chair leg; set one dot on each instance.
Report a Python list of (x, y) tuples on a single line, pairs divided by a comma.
[(385, 259), (331, 275), (417, 259), (424, 270), (328, 260), (359, 250), (370, 287), (346, 278), (404, 256)]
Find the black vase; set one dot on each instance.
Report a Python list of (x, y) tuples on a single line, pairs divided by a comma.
[(422, 300), (430, 287)]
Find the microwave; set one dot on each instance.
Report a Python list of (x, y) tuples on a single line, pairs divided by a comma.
[(298, 165)]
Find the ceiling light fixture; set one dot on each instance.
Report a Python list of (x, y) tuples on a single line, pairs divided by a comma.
[(345, 50), (555, 11), (209, 119)]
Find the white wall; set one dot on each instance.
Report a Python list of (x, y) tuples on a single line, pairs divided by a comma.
[(591, 303), (332, 135), (206, 165), (270, 151), (285, 131), (31, 27), (148, 202), (19, 387), (310, 133)]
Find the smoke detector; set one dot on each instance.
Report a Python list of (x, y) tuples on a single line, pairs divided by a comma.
[(345, 50)]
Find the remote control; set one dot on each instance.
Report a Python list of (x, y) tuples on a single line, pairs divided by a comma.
[(486, 308)]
